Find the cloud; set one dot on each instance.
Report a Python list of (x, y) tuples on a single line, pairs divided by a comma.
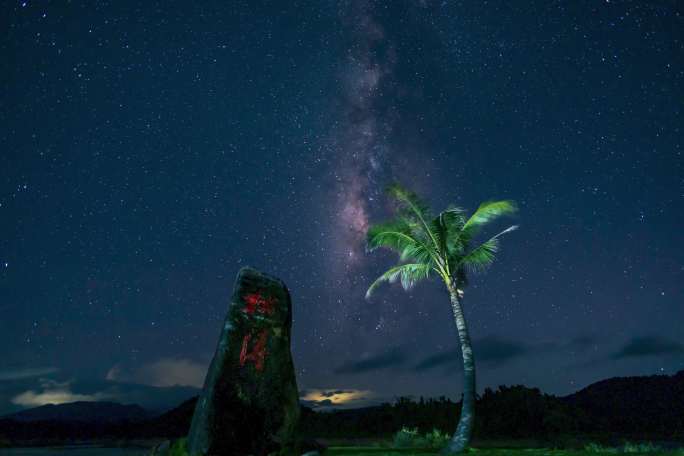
[(392, 358), (583, 342), (333, 393), (649, 346), (55, 393), (449, 358), (495, 350), (339, 398), (162, 373), (31, 392), (490, 350), (17, 374)]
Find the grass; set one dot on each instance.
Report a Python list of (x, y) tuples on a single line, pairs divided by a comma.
[(412, 438), (410, 441), (371, 451), (178, 448), (431, 442)]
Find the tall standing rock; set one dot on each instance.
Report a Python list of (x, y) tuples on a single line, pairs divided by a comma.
[(249, 404)]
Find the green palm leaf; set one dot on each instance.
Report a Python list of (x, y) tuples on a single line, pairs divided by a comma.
[(484, 214), (439, 228), (447, 227), (480, 258), (397, 236), (414, 211), (408, 274)]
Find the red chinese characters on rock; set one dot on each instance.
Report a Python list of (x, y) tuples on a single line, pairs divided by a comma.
[(254, 348), (256, 303), (258, 352)]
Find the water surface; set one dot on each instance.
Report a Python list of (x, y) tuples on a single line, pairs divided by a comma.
[(74, 451)]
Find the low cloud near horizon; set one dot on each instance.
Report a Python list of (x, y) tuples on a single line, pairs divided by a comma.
[(158, 385), (162, 373), (322, 399), (53, 392), (28, 372)]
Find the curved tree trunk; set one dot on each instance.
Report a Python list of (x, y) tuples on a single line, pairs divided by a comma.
[(461, 438)]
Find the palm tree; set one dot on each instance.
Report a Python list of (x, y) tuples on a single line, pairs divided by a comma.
[(443, 245)]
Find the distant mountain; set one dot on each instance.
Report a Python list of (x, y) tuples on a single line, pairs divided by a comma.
[(175, 422), (91, 412), (651, 403)]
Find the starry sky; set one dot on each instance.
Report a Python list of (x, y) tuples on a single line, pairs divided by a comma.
[(148, 150)]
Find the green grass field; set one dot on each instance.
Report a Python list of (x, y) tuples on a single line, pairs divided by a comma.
[(370, 451), (370, 447), (409, 441)]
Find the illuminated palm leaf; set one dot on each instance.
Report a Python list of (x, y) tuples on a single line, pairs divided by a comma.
[(484, 214), (447, 227), (481, 257), (397, 236), (414, 212), (408, 274)]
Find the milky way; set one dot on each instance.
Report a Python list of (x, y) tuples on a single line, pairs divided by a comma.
[(360, 140)]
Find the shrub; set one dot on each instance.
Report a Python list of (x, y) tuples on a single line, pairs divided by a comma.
[(178, 448), (405, 438), (598, 448), (628, 447), (411, 438), (436, 439), (640, 448)]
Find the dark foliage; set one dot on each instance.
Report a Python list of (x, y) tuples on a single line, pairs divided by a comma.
[(173, 424), (650, 408), (382, 420)]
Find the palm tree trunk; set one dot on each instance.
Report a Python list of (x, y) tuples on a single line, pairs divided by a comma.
[(461, 438)]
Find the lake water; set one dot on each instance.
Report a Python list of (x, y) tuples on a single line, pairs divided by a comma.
[(74, 451)]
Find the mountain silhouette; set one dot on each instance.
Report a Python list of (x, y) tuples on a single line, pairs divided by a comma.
[(92, 412), (654, 403)]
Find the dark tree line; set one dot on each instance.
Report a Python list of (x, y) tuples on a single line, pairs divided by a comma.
[(643, 408)]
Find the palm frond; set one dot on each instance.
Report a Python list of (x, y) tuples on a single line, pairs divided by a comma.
[(410, 201), (439, 229), (447, 228), (396, 235), (484, 214), (454, 216), (408, 274), (414, 212), (481, 257)]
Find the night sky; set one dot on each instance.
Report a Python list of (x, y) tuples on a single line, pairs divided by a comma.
[(148, 150)]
